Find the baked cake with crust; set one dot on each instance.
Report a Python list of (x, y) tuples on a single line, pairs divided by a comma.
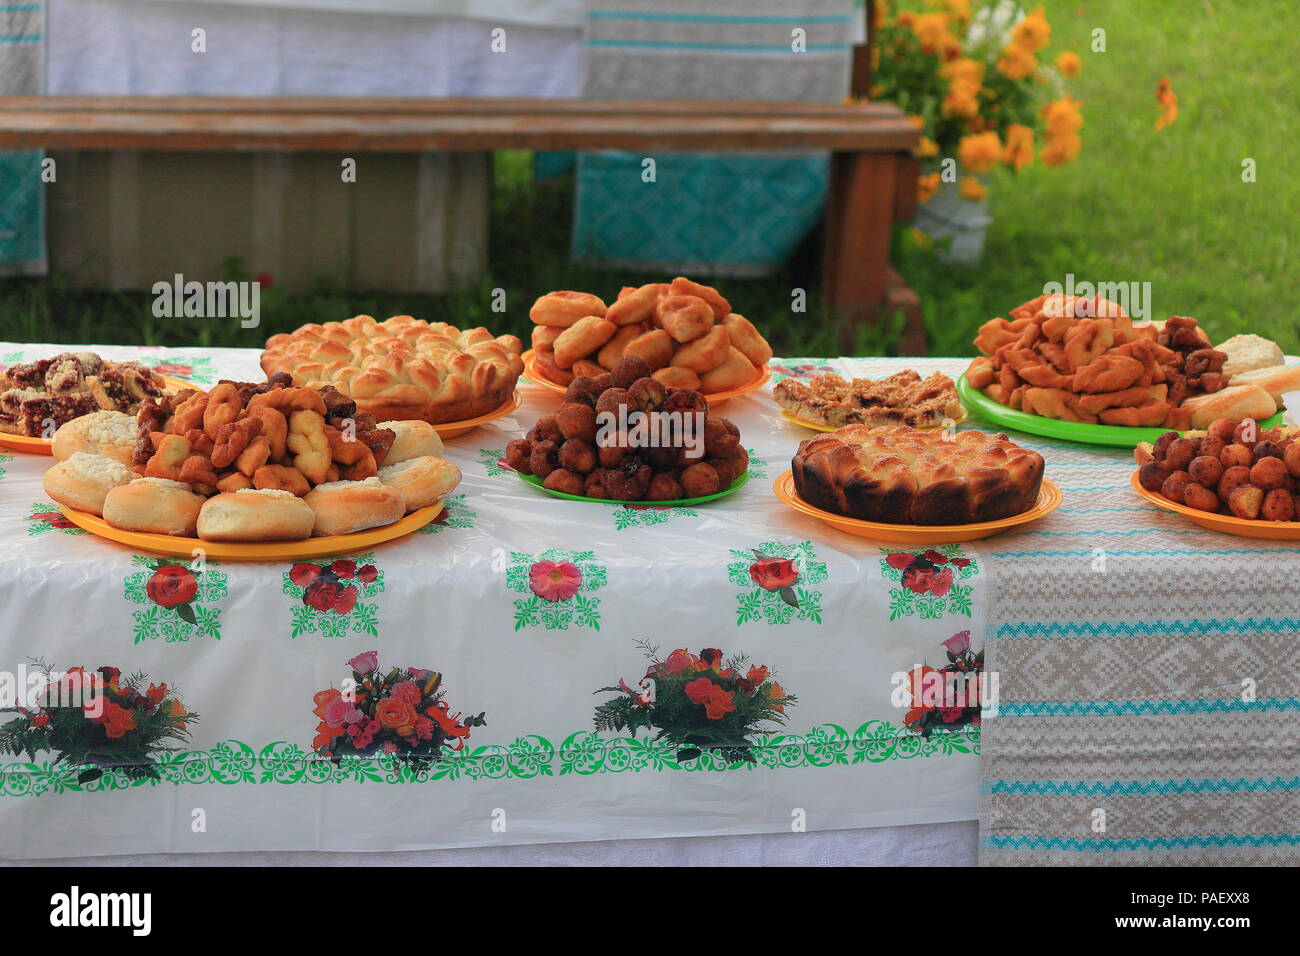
[(898, 475), (402, 368), (901, 399)]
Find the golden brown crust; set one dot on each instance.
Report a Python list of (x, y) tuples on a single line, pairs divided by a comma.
[(898, 475)]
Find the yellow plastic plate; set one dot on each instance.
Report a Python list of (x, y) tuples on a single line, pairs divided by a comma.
[(1228, 524), (452, 429)]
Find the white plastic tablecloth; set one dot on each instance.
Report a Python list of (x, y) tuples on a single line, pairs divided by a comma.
[(454, 599)]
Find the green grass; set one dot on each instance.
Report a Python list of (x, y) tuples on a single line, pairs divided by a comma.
[(1168, 208)]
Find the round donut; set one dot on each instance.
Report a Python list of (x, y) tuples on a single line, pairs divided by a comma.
[(110, 434), (255, 514), (420, 481), (82, 481), (154, 506), (563, 309), (342, 507)]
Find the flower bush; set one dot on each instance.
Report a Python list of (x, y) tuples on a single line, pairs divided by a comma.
[(697, 702), (975, 84)]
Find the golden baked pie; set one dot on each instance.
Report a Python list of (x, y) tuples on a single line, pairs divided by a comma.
[(898, 475), (901, 399), (56, 390), (402, 368)]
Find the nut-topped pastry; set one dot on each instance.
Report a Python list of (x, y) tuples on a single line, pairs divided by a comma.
[(51, 392), (898, 475), (402, 368), (903, 398)]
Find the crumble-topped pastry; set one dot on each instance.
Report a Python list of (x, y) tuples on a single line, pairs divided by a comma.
[(901, 399)]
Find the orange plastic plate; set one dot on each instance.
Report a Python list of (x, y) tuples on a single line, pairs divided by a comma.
[(714, 398), (1228, 524), (452, 429)]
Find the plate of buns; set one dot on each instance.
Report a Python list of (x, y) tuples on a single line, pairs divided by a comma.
[(39, 398), (1082, 370), (248, 464), (684, 331), (1235, 477), (895, 483)]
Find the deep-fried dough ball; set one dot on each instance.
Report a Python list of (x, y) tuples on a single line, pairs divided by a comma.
[(1278, 506), (584, 390), (563, 480), (1196, 495), (612, 399), (664, 487), (1206, 470), (1179, 454), (1212, 447), (627, 370), (1153, 475), (688, 455), (1233, 478), (1292, 458), (1267, 449), (544, 459), (700, 479), (726, 475), (647, 395), (577, 420), (1268, 473), (1174, 485), (1222, 428), (1246, 433), (548, 429), (602, 383), (686, 400), (628, 483), (721, 437), (577, 455), (612, 455), (595, 484), (1162, 445), (738, 460), (660, 458), (517, 453), (1246, 501), (1234, 454)]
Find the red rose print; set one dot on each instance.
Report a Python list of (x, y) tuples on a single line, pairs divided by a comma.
[(711, 656), (699, 690), (922, 579), (961, 562), (54, 519), (936, 557), (344, 569), (170, 368), (772, 574), (172, 586), (321, 595), (304, 574), (346, 600), (367, 574), (900, 561)]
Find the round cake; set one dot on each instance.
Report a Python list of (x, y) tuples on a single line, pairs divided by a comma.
[(898, 475), (402, 368)]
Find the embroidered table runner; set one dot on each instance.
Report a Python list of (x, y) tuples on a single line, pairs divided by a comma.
[(532, 609)]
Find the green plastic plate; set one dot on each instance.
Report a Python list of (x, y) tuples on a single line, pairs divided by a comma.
[(1119, 436), (679, 502)]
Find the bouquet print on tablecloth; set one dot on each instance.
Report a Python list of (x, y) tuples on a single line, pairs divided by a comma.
[(399, 712), (557, 585), (329, 597), (454, 514), (801, 369), (44, 517), (697, 704), (948, 698), (192, 368), (776, 583), (99, 722), (929, 581), (179, 599)]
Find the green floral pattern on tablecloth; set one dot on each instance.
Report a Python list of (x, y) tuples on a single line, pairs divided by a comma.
[(584, 753), (191, 368), (345, 611), (455, 513), (778, 601), (645, 516), (929, 581), (4, 460), (757, 466), (569, 602), (796, 368), (44, 516), (493, 461), (196, 617)]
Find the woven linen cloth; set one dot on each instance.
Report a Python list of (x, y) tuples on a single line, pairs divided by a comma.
[(1149, 673), (460, 597), (22, 193)]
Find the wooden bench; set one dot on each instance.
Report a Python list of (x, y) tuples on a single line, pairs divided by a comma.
[(872, 181)]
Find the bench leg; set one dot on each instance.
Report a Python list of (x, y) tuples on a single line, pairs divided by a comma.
[(859, 211)]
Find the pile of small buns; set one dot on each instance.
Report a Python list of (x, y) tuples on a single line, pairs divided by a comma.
[(1084, 360), (248, 462), (684, 331), (1234, 467), (572, 453)]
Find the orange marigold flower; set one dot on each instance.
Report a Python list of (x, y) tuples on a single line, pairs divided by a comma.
[(1062, 117), (1033, 32), (905, 18), (1019, 151), (932, 30), (916, 120), (979, 152), (927, 148), (926, 186), (1016, 63), (972, 189), (1168, 101), (963, 69), (958, 9), (1069, 63), (1061, 149), (961, 99)]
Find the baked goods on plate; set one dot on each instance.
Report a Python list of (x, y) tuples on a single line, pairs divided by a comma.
[(402, 368), (1234, 477), (828, 401), (899, 475), (82, 481), (684, 331), (625, 436)]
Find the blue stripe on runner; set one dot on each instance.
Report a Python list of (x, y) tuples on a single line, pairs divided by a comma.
[(1141, 843), (748, 47), (1162, 628), (22, 38), (1133, 708), (712, 18), (1141, 788)]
